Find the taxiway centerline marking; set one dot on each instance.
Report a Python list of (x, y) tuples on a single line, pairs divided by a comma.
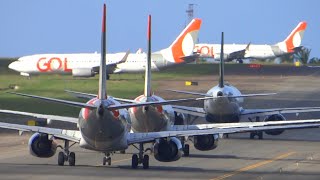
[(253, 166)]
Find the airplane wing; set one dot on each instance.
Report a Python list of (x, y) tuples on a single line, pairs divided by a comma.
[(223, 129), (238, 54), (266, 112), (71, 135), (188, 92), (111, 107), (91, 96), (245, 113), (240, 125), (42, 116), (207, 95), (81, 94), (70, 103), (138, 104), (191, 58), (132, 138), (194, 111), (112, 66)]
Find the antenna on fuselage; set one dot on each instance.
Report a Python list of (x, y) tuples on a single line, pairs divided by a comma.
[(147, 80), (103, 68), (221, 66)]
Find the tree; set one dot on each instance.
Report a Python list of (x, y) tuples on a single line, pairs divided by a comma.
[(314, 60), (303, 55)]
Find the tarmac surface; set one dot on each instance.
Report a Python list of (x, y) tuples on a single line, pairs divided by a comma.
[(292, 155)]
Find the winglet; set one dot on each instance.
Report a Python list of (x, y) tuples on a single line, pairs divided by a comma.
[(124, 58), (294, 39), (147, 83), (184, 43), (103, 68), (221, 67)]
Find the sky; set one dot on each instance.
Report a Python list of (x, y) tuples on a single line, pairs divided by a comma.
[(74, 26)]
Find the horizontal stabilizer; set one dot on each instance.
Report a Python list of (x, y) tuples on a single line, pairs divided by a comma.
[(188, 92), (41, 116), (167, 102), (65, 102)]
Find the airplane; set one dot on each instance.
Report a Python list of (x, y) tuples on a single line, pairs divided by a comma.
[(103, 127), (239, 52), (226, 108), (87, 64), (147, 118)]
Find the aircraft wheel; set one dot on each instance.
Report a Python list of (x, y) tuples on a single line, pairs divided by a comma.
[(145, 162), (186, 150), (252, 134), (61, 159), (260, 135), (109, 161), (135, 161), (72, 159), (104, 161)]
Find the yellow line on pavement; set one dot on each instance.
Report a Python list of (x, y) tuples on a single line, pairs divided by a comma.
[(253, 166)]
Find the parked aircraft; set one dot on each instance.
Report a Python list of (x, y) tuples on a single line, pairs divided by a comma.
[(226, 108), (103, 127), (87, 65), (255, 51)]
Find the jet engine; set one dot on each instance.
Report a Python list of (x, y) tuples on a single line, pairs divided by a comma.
[(167, 150), (82, 72), (206, 142), (275, 117), (41, 146)]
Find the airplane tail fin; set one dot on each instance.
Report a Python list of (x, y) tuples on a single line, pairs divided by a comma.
[(147, 83), (103, 68), (184, 44), (221, 66), (294, 39)]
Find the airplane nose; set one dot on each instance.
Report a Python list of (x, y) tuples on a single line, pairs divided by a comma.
[(13, 66)]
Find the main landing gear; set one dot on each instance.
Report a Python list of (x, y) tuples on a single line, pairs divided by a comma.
[(256, 133), (186, 147), (140, 158), (66, 155), (106, 159)]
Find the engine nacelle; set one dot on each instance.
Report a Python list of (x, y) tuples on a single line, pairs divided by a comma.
[(168, 150), (82, 72), (41, 146), (275, 117), (206, 142)]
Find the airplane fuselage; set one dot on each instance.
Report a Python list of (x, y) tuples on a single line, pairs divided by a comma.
[(105, 131), (68, 63), (151, 118), (223, 109), (254, 51)]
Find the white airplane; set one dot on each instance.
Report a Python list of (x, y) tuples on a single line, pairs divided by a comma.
[(87, 65), (103, 127), (226, 108), (254, 51)]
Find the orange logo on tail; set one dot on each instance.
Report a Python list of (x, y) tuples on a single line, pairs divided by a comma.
[(295, 37)]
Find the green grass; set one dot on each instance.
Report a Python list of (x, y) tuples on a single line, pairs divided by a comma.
[(120, 85)]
